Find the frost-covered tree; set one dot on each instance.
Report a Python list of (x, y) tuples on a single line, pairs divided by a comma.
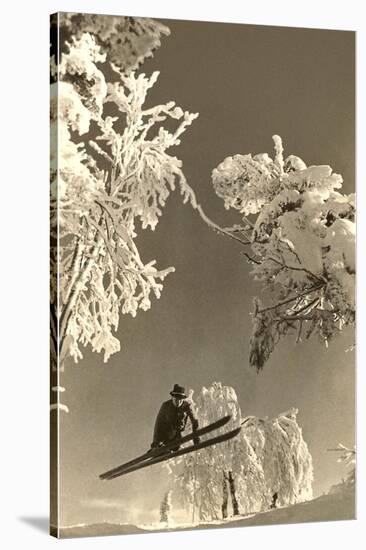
[(268, 457), (301, 231), (347, 457), (110, 174), (284, 456), (202, 484)]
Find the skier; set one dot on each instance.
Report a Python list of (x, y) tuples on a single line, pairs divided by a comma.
[(172, 418), (168, 438)]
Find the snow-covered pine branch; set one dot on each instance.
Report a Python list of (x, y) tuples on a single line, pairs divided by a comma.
[(302, 237), (109, 171)]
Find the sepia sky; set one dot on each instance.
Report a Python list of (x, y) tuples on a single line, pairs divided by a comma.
[(247, 83)]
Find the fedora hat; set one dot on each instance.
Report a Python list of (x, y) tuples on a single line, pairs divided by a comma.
[(178, 391)]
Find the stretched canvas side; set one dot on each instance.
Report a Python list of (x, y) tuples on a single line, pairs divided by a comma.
[(54, 279)]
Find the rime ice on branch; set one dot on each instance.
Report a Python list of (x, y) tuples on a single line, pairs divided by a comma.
[(127, 41), (110, 172), (268, 457), (301, 231)]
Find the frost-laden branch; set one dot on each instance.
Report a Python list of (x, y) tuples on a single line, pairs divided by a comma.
[(127, 41), (302, 239), (119, 173)]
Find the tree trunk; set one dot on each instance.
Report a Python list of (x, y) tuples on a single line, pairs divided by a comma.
[(165, 507), (228, 483), (233, 494), (225, 496)]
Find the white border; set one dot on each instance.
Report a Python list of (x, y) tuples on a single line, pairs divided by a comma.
[(24, 265)]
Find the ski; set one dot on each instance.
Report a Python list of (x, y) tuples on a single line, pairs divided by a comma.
[(152, 453), (150, 462)]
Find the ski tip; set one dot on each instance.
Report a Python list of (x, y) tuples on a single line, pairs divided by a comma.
[(223, 420), (104, 476)]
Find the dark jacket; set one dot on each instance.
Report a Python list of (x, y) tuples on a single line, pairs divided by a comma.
[(171, 421)]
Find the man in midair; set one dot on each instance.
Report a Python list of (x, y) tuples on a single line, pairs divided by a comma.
[(172, 419)]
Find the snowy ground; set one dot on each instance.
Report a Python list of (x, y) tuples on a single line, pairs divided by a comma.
[(339, 505)]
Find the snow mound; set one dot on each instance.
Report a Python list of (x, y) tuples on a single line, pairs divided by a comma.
[(336, 506)]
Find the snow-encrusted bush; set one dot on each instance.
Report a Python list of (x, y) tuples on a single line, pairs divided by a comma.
[(347, 457)]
